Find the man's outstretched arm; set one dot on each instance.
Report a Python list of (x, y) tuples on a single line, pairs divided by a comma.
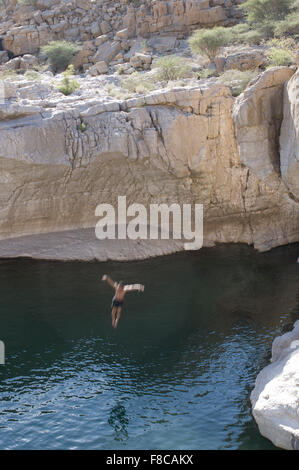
[(132, 287), (108, 280)]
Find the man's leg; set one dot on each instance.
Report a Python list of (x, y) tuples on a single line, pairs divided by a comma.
[(118, 317), (113, 313)]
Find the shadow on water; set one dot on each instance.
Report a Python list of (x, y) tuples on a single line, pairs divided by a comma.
[(118, 421), (178, 371)]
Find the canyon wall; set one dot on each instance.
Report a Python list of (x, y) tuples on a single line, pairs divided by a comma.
[(186, 145)]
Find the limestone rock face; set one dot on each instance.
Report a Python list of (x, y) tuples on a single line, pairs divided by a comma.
[(177, 15), (289, 138), (107, 51), (26, 28), (258, 116), (275, 397), (247, 60), (62, 156)]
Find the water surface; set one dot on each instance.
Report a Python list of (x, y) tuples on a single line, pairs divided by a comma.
[(176, 374)]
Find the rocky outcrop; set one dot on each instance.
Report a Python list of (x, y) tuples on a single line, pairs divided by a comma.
[(289, 138), (176, 16), (258, 116), (275, 398), (62, 156), (249, 59), (26, 28)]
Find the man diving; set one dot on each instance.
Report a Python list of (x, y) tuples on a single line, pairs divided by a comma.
[(118, 299)]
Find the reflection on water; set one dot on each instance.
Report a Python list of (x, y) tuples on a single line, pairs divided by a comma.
[(118, 421), (176, 374)]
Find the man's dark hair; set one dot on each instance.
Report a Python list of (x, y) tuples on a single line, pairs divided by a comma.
[(121, 284)]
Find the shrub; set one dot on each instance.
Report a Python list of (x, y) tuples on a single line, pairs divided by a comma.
[(137, 84), (60, 53), (68, 86), (259, 12), (207, 73), (172, 68), (253, 37), (242, 34), (277, 56), (28, 2), (281, 51), (32, 75), (290, 25), (82, 127), (237, 80), (117, 93), (209, 42), (264, 15), (238, 31)]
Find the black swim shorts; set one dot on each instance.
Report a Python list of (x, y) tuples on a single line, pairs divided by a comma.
[(117, 303)]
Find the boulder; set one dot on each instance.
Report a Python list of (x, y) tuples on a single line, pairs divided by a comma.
[(105, 27), (101, 39), (28, 61), (107, 51), (141, 61), (99, 68), (7, 91), (83, 56), (247, 60), (123, 34), (276, 394), (163, 43), (3, 57)]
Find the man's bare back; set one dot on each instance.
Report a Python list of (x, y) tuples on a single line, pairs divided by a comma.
[(118, 299)]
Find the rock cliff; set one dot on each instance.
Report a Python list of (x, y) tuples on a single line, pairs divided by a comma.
[(275, 397), (187, 145)]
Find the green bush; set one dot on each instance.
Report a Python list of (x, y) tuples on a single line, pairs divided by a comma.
[(241, 33), (209, 42), (67, 86), (32, 75), (265, 15), (172, 68), (253, 37), (31, 3), (137, 84), (259, 12), (82, 127), (281, 52), (290, 25), (277, 57), (60, 54), (207, 73), (237, 80)]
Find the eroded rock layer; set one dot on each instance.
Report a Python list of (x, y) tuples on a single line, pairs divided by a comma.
[(26, 28), (61, 157)]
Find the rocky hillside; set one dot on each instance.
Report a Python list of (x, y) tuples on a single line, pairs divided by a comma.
[(25, 28)]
